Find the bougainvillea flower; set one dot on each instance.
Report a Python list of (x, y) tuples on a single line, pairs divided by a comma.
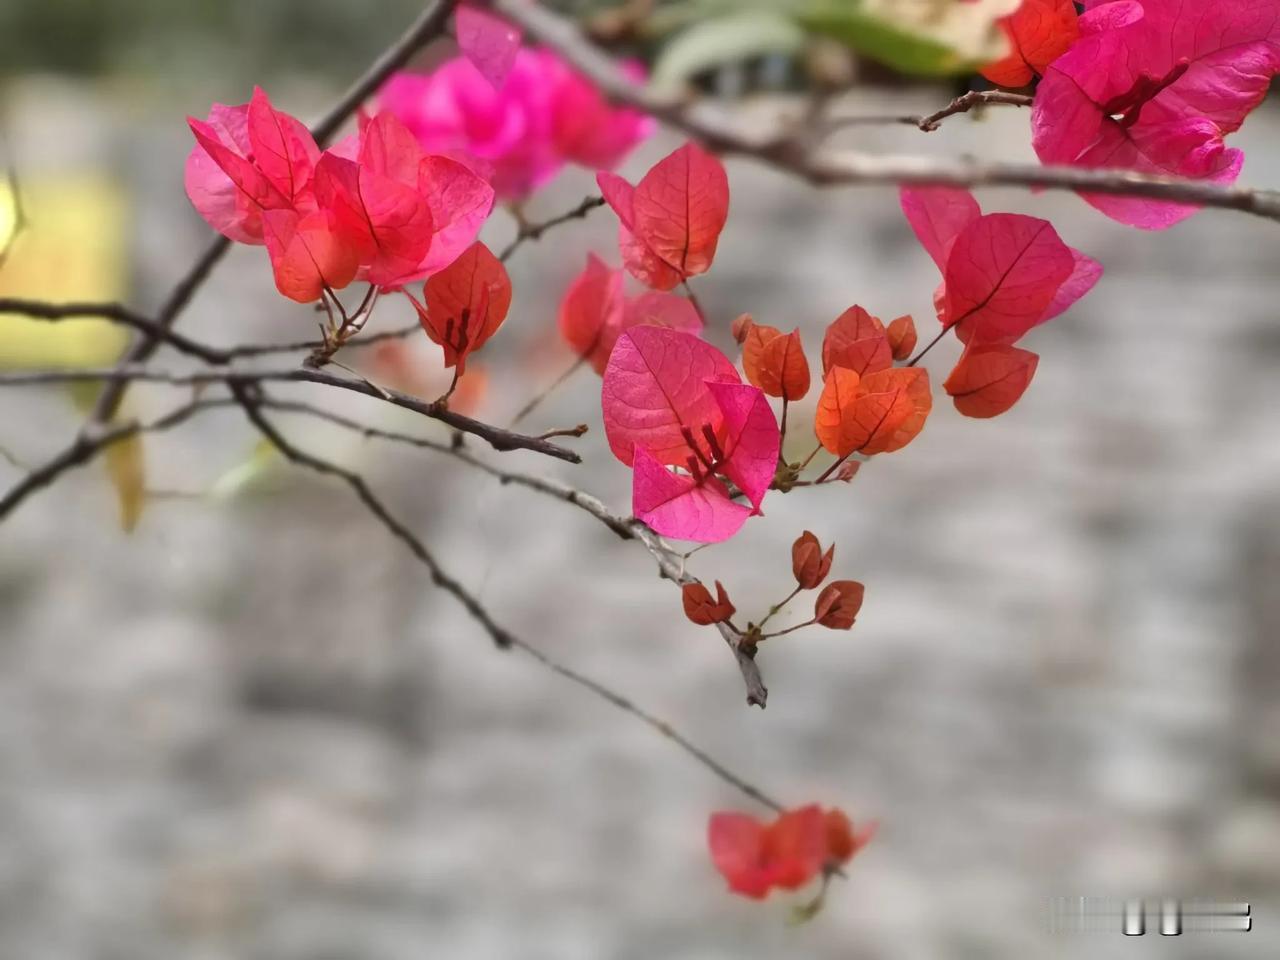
[(517, 136), (879, 413), (775, 362), (595, 311), (1039, 32), (376, 201), (1002, 273), (488, 41), (670, 221), (1155, 87), (670, 399), (465, 304), (787, 853), (989, 379)]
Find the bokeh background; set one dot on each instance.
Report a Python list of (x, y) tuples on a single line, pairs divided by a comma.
[(251, 729)]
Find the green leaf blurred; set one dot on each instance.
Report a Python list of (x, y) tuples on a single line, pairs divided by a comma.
[(722, 40)]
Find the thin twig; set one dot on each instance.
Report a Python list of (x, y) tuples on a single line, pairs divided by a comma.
[(496, 437), (551, 388), (534, 231), (928, 122), (114, 313), (783, 150)]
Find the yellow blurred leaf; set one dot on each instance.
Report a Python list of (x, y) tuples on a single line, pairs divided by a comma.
[(126, 466), (72, 248), (248, 474)]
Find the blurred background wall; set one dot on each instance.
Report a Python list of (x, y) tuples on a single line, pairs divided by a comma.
[(250, 729)]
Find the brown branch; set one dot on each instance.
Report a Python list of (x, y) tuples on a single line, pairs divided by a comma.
[(670, 562), (502, 637), (786, 151), (534, 231), (119, 314), (244, 351), (114, 313), (496, 437)]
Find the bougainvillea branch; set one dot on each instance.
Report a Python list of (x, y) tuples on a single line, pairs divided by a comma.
[(502, 638), (783, 149), (496, 437), (670, 561), (533, 231)]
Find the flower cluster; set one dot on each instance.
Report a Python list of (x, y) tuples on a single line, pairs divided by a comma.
[(376, 207)]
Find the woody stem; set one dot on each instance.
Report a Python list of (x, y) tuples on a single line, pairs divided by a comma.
[(798, 626), (693, 299), (929, 346), (809, 459)]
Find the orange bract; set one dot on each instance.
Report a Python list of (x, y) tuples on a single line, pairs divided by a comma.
[(902, 337), (775, 362), (879, 413), (856, 341), (990, 379), (1039, 31)]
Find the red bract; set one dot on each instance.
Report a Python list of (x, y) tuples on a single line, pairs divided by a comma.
[(1039, 31), (308, 253), (671, 220), (669, 399), (1003, 272), (701, 608), (838, 604), (225, 185), (487, 41), (465, 304), (1155, 87), (595, 312), (990, 379), (775, 362), (1009, 268), (1003, 275), (809, 564), (755, 857)]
